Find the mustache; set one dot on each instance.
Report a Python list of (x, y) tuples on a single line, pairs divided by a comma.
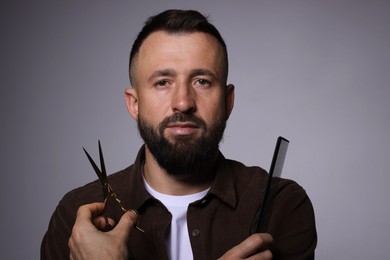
[(180, 117)]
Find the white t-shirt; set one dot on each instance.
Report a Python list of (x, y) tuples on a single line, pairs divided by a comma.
[(177, 240)]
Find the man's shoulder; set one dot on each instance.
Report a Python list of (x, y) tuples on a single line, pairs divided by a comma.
[(239, 167), (240, 170), (243, 173), (255, 176), (92, 191)]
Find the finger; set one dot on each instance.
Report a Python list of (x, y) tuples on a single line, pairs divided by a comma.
[(101, 224), (253, 244), (88, 211), (263, 255), (264, 239), (125, 224)]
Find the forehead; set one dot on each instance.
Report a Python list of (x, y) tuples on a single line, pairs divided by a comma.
[(179, 51)]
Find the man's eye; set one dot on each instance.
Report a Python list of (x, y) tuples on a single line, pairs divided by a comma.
[(161, 83), (203, 82)]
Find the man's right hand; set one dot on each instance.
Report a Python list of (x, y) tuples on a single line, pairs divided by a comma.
[(89, 242), (257, 246)]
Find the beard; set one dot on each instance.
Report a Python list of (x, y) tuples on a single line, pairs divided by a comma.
[(185, 155)]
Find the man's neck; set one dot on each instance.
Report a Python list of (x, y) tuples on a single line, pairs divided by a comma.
[(160, 180)]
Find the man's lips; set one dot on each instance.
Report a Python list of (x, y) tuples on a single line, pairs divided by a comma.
[(182, 128)]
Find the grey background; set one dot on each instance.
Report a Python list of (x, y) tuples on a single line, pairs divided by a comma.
[(316, 72)]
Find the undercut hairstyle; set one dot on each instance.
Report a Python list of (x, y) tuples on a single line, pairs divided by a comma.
[(176, 22)]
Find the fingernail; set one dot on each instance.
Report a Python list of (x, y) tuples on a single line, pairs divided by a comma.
[(136, 222), (135, 213)]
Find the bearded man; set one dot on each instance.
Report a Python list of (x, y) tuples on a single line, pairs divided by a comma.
[(187, 200)]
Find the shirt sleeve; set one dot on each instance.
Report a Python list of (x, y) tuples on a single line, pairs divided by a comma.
[(55, 242), (291, 222)]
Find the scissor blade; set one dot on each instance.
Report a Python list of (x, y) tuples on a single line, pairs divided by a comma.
[(102, 177), (94, 166), (102, 165)]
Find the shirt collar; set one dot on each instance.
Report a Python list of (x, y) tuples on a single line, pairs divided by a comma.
[(223, 185), (136, 194)]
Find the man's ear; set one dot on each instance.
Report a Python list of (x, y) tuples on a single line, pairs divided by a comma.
[(229, 100), (132, 102)]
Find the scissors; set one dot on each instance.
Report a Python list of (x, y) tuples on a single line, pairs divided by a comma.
[(106, 187)]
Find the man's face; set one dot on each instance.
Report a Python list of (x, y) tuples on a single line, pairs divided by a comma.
[(179, 99)]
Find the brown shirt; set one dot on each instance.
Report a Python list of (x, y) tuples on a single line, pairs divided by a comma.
[(222, 219)]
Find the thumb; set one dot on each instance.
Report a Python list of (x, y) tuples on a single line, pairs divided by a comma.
[(126, 224)]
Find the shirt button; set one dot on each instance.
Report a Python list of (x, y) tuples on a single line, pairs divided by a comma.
[(195, 232), (203, 202)]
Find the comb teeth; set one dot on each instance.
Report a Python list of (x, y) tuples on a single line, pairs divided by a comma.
[(279, 157), (275, 170)]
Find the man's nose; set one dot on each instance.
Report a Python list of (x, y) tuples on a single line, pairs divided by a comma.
[(183, 99)]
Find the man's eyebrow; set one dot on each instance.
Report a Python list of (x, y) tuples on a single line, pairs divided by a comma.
[(203, 72), (162, 73), (172, 73)]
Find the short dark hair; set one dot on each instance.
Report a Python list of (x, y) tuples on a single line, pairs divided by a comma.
[(177, 21)]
